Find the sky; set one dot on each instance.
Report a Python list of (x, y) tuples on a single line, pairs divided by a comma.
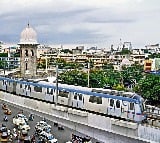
[(98, 23)]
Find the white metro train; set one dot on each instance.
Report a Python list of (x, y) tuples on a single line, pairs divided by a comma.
[(126, 105)]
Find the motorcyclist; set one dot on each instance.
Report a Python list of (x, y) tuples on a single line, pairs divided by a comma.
[(5, 118), (31, 117)]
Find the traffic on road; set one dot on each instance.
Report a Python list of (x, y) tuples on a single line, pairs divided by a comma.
[(24, 126)]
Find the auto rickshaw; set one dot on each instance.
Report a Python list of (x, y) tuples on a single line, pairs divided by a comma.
[(23, 134), (4, 106), (4, 137), (7, 111)]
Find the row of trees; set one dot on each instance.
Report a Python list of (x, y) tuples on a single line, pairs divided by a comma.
[(147, 85)]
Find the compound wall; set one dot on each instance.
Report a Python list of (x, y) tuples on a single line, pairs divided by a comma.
[(104, 129)]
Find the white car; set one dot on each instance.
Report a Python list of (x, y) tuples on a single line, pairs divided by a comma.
[(24, 127), (19, 119), (43, 126), (48, 137)]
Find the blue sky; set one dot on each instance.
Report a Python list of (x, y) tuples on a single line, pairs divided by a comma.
[(82, 22)]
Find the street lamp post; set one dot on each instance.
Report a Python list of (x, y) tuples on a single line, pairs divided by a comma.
[(46, 63), (56, 99), (88, 72)]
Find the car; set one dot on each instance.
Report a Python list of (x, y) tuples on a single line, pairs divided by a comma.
[(7, 111), (47, 137), (3, 129), (42, 126), (22, 116), (24, 127), (20, 119), (23, 134)]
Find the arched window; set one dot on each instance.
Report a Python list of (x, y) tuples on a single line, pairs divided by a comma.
[(26, 66), (26, 53), (32, 53)]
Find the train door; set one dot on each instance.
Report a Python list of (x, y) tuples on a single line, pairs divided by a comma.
[(4, 85), (131, 111), (78, 100), (111, 107), (28, 90), (118, 108), (14, 87), (49, 94)]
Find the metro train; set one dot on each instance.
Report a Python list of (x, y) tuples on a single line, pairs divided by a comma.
[(126, 105)]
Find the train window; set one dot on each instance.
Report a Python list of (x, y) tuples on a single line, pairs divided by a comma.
[(63, 93), (111, 102), (99, 100), (131, 106), (38, 89), (20, 85), (91, 99), (118, 104), (94, 99), (51, 92)]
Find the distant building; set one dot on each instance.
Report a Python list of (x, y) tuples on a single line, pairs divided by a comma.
[(155, 64), (147, 65), (153, 48), (127, 46), (78, 50), (124, 46)]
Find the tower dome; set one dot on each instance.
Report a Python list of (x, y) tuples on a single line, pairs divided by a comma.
[(28, 36), (126, 62)]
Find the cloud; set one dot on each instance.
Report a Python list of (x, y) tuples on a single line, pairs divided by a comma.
[(82, 21)]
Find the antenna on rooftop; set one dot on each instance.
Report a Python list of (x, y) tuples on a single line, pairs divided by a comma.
[(28, 24)]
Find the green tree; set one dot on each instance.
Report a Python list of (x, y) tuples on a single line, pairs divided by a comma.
[(149, 88)]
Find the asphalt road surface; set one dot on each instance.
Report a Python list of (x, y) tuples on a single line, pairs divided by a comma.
[(62, 135)]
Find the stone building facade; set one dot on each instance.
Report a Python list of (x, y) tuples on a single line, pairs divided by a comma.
[(28, 53)]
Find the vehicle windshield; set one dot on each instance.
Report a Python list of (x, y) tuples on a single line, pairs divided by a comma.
[(50, 137)]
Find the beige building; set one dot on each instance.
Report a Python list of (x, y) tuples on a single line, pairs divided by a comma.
[(28, 52)]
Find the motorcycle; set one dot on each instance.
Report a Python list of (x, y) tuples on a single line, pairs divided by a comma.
[(31, 117), (5, 118)]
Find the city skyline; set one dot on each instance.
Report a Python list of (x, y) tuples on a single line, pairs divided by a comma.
[(82, 22)]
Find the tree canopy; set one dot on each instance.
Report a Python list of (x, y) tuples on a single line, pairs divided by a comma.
[(149, 88)]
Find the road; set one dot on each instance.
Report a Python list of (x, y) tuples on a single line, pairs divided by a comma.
[(62, 135)]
